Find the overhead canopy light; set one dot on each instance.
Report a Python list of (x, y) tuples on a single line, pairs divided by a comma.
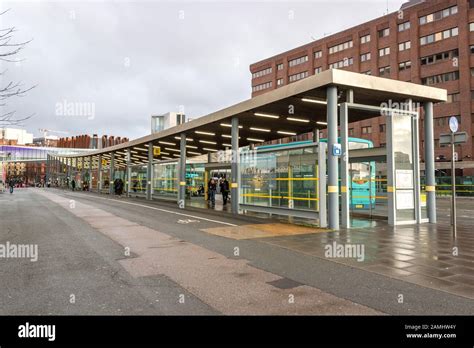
[(295, 119), (260, 129), (286, 133), (257, 140), (204, 133), (322, 123), (229, 125), (315, 101), (187, 139), (207, 142), (265, 115), (166, 143)]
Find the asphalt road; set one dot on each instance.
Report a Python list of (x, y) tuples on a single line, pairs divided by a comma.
[(127, 256)]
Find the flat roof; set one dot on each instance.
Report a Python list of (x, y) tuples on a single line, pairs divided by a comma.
[(368, 90)]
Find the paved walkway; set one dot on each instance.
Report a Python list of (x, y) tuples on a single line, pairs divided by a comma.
[(218, 263)]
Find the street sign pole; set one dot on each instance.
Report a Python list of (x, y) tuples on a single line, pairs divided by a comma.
[(453, 126), (453, 187)]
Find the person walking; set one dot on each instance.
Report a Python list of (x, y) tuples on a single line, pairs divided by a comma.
[(224, 190), (11, 184), (73, 184), (211, 191)]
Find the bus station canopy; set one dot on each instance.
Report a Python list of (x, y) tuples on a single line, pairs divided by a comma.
[(297, 108)]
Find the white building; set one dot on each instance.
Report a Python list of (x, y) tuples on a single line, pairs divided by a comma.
[(168, 120), (21, 136)]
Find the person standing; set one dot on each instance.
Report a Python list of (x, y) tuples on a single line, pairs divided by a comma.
[(212, 187), (224, 190)]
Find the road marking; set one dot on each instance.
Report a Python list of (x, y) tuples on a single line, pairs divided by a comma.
[(168, 211)]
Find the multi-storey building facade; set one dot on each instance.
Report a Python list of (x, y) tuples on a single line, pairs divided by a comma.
[(428, 42)]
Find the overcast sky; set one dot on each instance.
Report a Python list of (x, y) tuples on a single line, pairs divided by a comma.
[(127, 60)]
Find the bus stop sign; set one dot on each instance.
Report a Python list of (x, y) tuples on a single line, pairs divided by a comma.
[(453, 124), (336, 149)]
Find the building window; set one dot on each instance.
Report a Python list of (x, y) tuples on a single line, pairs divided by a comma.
[(366, 130), (383, 145), (351, 132), (262, 86), (452, 98), (368, 72), (280, 66), (298, 61), (404, 26), (341, 47), (438, 57), (404, 65), (471, 48), (438, 15), (432, 80), (442, 35), (280, 82), (262, 72), (384, 32), (318, 70), (298, 76), (382, 128), (404, 46), (318, 54), (342, 63), (365, 39), (384, 71), (365, 57), (384, 51)]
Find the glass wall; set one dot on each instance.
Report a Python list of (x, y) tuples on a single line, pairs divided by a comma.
[(165, 183), (138, 179), (281, 179), (403, 167)]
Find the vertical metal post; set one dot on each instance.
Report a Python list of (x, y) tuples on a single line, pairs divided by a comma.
[(182, 172), (333, 170), (316, 135), (149, 172), (391, 194), (345, 194), (453, 188), (416, 162), (129, 172), (99, 174), (234, 169), (69, 171), (430, 163), (111, 173), (83, 172), (322, 147), (90, 173)]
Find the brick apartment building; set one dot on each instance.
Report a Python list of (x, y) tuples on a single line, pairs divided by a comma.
[(429, 42)]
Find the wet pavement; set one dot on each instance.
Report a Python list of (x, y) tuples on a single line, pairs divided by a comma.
[(426, 254)]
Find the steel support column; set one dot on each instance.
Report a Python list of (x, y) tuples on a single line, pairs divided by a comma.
[(345, 192), (111, 173), (235, 159), (182, 172), (99, 174), (149, 172), (90, 173), (333, 170), (323, 209), (129, 172), (430, 163)]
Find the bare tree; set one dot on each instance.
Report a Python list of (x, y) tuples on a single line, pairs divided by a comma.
[(8, 54)]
